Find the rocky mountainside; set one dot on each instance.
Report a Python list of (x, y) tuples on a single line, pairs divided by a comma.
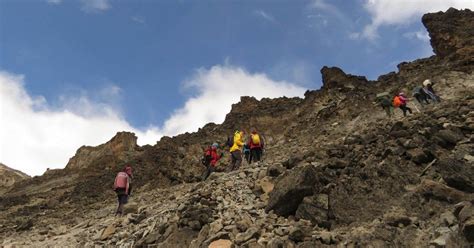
[(336, 172), (9, 176)]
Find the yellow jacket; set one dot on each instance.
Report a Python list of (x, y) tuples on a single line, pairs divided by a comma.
[(238, 142)]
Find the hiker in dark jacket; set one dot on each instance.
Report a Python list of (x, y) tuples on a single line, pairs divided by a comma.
[(420, 95), (247, 153), (211, 158), (386, 105), (256, 144), (429, 91), (122, 186)]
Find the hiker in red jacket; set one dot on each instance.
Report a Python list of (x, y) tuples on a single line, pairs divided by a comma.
[(122, 186), (210, 160), (256, 144)]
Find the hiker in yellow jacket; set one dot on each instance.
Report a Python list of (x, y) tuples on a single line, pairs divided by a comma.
[(236, 150)]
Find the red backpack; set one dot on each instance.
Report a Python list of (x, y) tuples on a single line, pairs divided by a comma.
[(121, 180)]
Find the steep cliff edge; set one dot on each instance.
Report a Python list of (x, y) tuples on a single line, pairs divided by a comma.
[(336, 171)]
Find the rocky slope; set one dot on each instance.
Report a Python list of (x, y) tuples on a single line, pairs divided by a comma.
[(336, 171), (9, 176)]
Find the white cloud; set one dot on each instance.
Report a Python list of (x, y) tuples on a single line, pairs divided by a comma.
[(139, 19), (95, 6), (399, 12), (329, 9), (265, 15), (419, 35), (217, 89), (54, 1), (35, 136)]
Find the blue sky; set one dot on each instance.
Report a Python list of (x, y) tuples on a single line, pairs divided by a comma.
[(147, 63)]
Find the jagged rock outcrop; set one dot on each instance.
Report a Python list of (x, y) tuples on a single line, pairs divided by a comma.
[(9, 176), (121, 146), (451, 34), (336, 172)]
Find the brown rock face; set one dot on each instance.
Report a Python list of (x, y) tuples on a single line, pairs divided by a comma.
[(334, 77), (9, 176), (120, 146), (451, 32)]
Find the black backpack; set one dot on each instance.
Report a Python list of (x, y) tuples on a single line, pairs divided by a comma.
[(230, 141), (207, 157)]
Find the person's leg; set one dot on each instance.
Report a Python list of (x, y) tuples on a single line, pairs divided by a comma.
[(387, 110), (238, 157), (259, 153), (403, 108), (206, 173), (233, 161), (409, 109)]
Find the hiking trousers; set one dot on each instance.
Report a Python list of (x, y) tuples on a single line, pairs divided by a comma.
[(404, 108), (255, 154), (208, 172), (236, 160)]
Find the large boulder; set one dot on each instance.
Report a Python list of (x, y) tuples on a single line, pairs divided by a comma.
[(456, 173), (291, 189), (316, 209)]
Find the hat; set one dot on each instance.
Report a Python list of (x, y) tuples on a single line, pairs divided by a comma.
[(426, 82), (215, 145)]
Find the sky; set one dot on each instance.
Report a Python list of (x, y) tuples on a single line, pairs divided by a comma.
[(75, 72)]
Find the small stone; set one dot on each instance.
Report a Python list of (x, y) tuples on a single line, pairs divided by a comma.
[(108, 232), (296, 234), (221, 243), (249, 234), (229, 184)]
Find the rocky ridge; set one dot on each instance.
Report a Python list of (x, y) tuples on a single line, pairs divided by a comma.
[(9, 176), (336, 172)]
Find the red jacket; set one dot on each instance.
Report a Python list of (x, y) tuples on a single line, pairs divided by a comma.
[(214, 155)]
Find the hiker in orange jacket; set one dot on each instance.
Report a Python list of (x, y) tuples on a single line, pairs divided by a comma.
[(256, 144), (400, 101), (122, 186)]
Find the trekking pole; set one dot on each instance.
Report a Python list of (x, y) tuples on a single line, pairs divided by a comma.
[(416, 108)]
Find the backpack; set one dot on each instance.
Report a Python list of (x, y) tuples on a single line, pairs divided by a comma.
[(230, 141), (207, 157), (397, 102), (256, 139), (121, 180)]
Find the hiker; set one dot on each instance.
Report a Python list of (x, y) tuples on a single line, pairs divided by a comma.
[(420, 95), (210, 159), (400, 101), (386, 105), (247, 153), (429, 91), (256, 146), (122, 186), (236, 150)]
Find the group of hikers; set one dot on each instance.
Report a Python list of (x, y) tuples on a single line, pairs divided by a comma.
[(423, 94), (250, 148)]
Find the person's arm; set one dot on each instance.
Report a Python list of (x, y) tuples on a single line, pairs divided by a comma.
[(240, 142), (126, 187), (115, 184)]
